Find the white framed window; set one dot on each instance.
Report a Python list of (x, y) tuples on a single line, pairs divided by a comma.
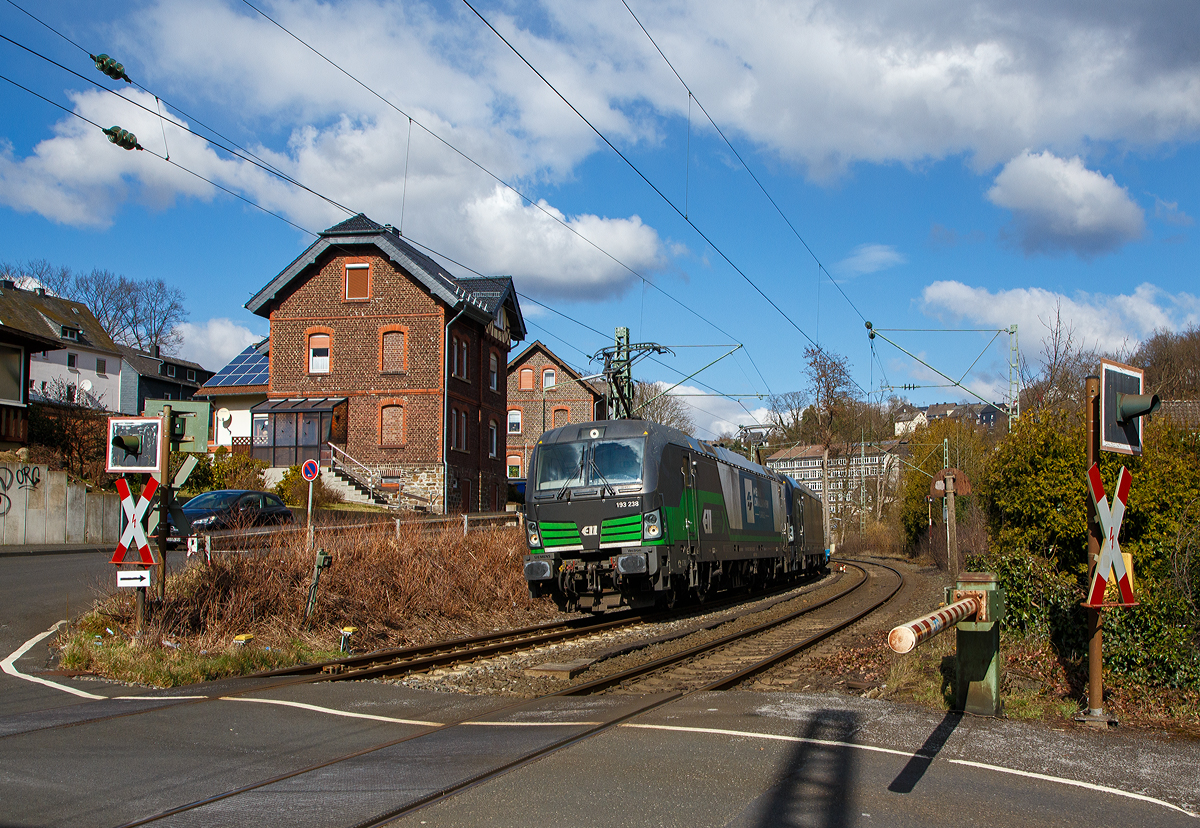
[(493, 438), (318, 354), (462, 431), (514, 465), (494, 373), (548, 378), (72, 361), (170, 370), (191, 375), (101, 366), (514, 421)]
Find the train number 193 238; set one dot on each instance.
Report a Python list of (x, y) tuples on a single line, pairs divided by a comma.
[(628, 504)]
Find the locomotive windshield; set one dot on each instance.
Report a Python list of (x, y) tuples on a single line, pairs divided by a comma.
[(590, 463)]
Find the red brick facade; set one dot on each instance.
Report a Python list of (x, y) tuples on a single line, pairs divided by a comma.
[(387, 354), (542, 407)]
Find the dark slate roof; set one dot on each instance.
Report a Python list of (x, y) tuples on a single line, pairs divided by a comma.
[(361, 230), (147, 365), (41, 318), (252, 367), (497, 292)]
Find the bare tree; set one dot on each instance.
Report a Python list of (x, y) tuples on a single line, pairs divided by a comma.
[(1172, 363), (142, 314), (666, 409), (1058, 381), (157, 313), (787, 416)]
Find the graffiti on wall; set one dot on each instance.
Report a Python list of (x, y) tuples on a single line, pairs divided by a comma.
[(26, 477)]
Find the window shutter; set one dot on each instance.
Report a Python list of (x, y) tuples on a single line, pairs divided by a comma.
[(358, 281)]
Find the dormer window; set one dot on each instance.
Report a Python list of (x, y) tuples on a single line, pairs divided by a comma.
[(171, 371), (70, 333)]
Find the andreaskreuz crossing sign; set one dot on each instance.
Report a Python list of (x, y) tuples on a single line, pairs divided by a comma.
[(134, 536), (1110, 560)]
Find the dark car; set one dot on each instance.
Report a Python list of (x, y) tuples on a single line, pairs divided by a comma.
[(234, 508)]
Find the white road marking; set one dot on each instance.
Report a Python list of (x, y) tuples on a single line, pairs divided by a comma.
[(770, 737), (532, 724), (997, 768), (159, 698), (333, 711), (9, 665), (1075, 783)]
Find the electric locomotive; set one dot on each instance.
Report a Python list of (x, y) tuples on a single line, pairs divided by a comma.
[(635, 513)]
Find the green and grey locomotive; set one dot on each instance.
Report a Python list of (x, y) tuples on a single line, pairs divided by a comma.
[(631, 512)]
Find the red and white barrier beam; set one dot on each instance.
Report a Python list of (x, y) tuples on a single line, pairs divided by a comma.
[(904, 638)]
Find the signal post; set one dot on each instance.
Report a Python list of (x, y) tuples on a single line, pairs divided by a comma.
[(1114, 405)]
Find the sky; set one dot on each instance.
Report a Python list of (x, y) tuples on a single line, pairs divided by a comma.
[(758, 178)]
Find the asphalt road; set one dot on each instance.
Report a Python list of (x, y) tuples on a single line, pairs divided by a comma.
[(720, 759), (36, 592)]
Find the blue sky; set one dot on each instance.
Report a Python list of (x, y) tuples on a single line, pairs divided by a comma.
[(960, 165)]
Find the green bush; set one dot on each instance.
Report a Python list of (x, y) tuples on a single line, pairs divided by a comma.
[(293, 488), (221, 470)]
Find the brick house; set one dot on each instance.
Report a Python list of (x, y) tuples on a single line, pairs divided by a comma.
[(544, 393), (377, 349)]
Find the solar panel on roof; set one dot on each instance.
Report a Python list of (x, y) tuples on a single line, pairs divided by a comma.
[(247, 368)]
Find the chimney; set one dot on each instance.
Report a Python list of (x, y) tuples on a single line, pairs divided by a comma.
[(154, 351), (8, 283)]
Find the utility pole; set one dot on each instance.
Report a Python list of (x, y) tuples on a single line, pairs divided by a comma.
[(1014, 369), (1091, 393), (862, 486), (164, 499), (618, 371), (946, 500)]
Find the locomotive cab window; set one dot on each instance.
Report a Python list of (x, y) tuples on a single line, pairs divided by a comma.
[(603, 462)]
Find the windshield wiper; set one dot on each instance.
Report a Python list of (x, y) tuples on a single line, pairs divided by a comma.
[(577, 473), (608, 486)]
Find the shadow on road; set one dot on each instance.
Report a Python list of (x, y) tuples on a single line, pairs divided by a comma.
[(916, 767), (816, 781)]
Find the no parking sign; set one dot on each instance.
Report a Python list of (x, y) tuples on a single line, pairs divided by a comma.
[(310, 470)]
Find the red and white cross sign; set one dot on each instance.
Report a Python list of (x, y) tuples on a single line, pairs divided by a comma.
[(1110, 549), (134, 535)]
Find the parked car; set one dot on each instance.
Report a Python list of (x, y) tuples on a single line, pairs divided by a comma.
[(233, 508)]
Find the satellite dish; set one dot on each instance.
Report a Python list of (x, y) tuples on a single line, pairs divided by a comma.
[(85, 386), (224, 417)]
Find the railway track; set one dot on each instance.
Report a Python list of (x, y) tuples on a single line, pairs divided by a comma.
[(775, 641)]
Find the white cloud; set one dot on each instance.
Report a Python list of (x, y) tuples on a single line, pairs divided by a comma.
[(1109, 322), (869, 258), (1058, 204), (217, 341), (1168, 212), (815, 84)]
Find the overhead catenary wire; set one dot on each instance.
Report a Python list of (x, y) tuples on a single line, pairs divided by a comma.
[(637, 171), (246, 155), (525, 198), (167, 159), (692, 97)]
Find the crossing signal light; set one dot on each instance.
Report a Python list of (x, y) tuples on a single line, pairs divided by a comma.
[(110, 67), (123, 138), (131, 444), (1132, 406)]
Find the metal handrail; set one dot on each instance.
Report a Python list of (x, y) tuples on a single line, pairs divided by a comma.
[(372, 480)]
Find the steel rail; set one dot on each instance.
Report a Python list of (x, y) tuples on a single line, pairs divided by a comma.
[(605, 682)]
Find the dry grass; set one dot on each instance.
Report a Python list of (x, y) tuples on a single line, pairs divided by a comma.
[(423, 586)]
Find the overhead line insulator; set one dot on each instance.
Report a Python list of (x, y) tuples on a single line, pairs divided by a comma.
[(110, 67), (123, 138)]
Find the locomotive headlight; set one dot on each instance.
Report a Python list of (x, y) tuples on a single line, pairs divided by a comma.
[(535, 539), (651, 527)]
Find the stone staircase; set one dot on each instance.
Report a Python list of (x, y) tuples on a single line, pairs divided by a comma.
[(353, 491)]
